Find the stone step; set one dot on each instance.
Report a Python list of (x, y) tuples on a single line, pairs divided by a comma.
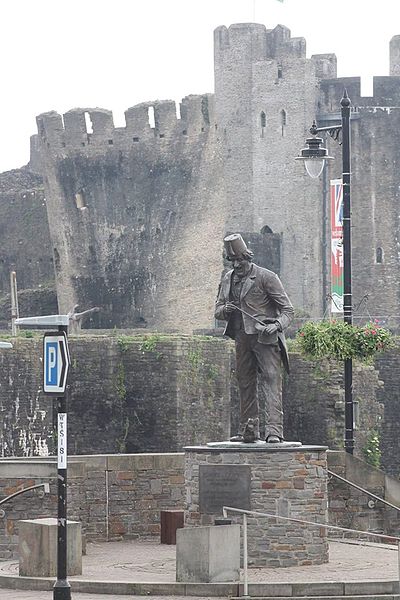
[(327, 590), (319, 597)]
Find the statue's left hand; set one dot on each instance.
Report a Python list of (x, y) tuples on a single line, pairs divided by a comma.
[(267, 329)]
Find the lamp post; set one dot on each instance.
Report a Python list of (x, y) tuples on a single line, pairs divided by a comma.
[(314, 157)]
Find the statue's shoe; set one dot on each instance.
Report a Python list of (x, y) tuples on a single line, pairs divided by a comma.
[(273, 439)]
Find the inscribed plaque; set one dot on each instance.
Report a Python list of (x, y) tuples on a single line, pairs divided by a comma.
[(223, 485)]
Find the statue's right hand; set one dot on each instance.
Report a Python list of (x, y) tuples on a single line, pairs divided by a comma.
[(229, 308)]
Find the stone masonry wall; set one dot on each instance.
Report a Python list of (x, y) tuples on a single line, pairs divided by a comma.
[(128, 393), (389, 395), (139, 486), (114, 497), (313, 397), (158, 393)]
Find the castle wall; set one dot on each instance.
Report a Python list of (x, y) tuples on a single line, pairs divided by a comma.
[(375, 155), (25, 241)]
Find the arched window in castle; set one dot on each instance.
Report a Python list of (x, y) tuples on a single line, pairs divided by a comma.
[(279, 71), (283, 122), (379, 256), (263, 122)]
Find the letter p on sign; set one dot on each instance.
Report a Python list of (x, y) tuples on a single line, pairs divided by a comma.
[(55, 363)]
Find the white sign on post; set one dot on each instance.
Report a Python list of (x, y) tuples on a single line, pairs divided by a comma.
[(56, 362), (62, 440)]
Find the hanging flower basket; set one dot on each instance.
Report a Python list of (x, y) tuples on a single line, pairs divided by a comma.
[(338, 340)]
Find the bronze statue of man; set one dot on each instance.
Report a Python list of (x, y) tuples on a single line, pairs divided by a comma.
[(257, 310)]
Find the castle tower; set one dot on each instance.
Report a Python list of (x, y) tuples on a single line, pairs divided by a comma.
[(266, 100), (131, 208)]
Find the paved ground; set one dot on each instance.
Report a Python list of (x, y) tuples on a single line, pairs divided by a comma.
[(152, 562)]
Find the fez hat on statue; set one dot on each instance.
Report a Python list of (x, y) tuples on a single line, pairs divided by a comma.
[(235, 246)]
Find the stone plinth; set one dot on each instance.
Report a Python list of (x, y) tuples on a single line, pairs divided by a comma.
[(208, 554), (38, 548), (285, 481)]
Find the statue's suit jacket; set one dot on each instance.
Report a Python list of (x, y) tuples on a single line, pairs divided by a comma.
[(264, 297)]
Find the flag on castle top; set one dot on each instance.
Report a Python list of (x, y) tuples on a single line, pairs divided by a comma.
[(336, 188)]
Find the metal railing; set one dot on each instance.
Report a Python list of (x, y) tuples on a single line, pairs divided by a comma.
[(45, 486), (360, 489), (254, 513)]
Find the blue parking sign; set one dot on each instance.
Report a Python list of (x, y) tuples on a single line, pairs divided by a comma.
[(55, 363), (51, 371)]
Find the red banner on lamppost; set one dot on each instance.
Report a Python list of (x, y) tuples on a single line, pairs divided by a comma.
[(336, 187)]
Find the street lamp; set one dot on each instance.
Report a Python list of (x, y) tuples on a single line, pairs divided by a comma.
[(314, 157)]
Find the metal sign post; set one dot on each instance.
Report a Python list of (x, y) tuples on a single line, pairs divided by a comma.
[(62, 589), (56, 363)]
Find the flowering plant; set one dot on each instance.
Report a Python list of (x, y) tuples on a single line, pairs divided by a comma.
[(340, 341)]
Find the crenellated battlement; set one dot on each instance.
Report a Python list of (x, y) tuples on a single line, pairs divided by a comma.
[(281, 45), (325, 65), (386, 92), (81, 127), (251, 42), (394, 52)]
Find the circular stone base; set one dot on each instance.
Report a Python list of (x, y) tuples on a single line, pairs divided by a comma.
[(285, 479), (258, 445)]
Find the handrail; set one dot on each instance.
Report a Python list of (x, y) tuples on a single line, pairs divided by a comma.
[(245, 513), (325, 525), (28, 489), (357, 487)]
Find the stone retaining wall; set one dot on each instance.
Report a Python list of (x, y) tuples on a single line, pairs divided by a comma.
[(114, 496), (352, 508), (120, 496)]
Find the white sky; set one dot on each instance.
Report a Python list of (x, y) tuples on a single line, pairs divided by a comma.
[(59, 54)]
